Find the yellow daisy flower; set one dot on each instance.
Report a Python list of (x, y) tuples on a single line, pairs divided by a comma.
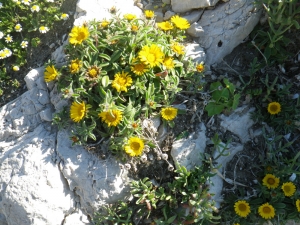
[(78, 35), (274, 108), (93, 71), (134, 146), (168, 63), (129, 17), (151, 56), (177, 48), (138, 68), (104, 23), (200, 67), (270, 181), (169, 113), (298, 205), (134, 28), (180, 23), (149, 14), (121, 81), (288, 189), (266, 211), (75, 66), (111, 117), (50, 74), (242, 208), (77, 111), (165, 26)]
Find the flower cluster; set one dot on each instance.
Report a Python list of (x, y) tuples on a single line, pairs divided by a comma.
[(119, 77)]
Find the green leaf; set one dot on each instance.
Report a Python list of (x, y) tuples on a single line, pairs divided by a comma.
[(105, 81), (217, 95), (105, 56), (213, 109), (279, 205), (229, 85), (236, 99), (170, 220)]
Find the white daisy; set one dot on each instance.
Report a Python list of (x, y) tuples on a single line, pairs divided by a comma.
[(43, 29), (16, 68), (8, 38), (26, 2), (64, 16), (1, 35), (18, 27), (7, 52), (35, 8), (24, 44), (2, 54)]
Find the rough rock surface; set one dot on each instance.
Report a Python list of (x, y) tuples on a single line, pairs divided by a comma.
[(180, 6), (225, 27)]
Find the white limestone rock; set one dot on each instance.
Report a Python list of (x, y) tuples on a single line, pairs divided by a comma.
[(195, 30), (238, 122), (226, 26), (186, 152), (88, 10), (195, 52), (194, 16), (180, 6)]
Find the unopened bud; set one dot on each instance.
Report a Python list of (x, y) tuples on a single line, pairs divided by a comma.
[(164, 156)]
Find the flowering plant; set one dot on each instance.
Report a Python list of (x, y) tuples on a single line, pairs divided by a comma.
[(120, 72)]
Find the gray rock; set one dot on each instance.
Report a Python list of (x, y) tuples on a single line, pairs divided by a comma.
[(168, 15), (238, 122), (195, 52), (227, 26), (180, 6), (166, 1), (195, 30), (194, 16)]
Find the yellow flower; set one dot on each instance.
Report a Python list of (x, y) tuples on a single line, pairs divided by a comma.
[(104, 23), (270, 181), (111, 117), (149, 14), (93, 71), (43, 29), (151, 56), (169, 113), (236, 224), (50, 74), (242, 208), (274, 108), (266, 211), (165, 26), (121, 81), (16, 68), (288, 189), (75, 66), (138, 68), (298, 205), (78, 35), (134, 28), (200, 67), (134, 146), (169, 63), (129, 16), (77, 111), (180, 22), (177, 48)]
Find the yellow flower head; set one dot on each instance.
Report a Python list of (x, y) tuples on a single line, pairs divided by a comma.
[(168, 63), (200, 67), (242, 208), (111, 117), (104, 23), (298, 205), (93, 71), (266, 211), (134, 146), (236, 224), (177, 48), (165, 26), (274, 108), (138, 68), (288, 189), (75, 66), (134, 28), (180, 23), (270, 181), (129, 17), (152, 56), (149, 14), (77, 111), (169, 113), (16, 68), (50, 74), (78, 35), (122, 81)]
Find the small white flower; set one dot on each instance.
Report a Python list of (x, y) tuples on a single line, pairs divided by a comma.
[(49, 0), (8, 38), (164, 156), (16, 68), (1, 35), (15, 0), (24, 44), (64, 16), (7, 52), (2, 54), (18, 27), (35, 8), (43, 29), (26, 2)]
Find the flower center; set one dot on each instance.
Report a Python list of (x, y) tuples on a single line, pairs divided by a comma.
[(242, 207), (135, 146), (168, 112), (110, 117), (266, 210), (74, 66), (271, 181), (151, 58), (93, 72), (139, 67), (287, 188), (80, 36), (121, 81), (274, 108)]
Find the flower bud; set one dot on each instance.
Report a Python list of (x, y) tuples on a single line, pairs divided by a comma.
[(164, 156)]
